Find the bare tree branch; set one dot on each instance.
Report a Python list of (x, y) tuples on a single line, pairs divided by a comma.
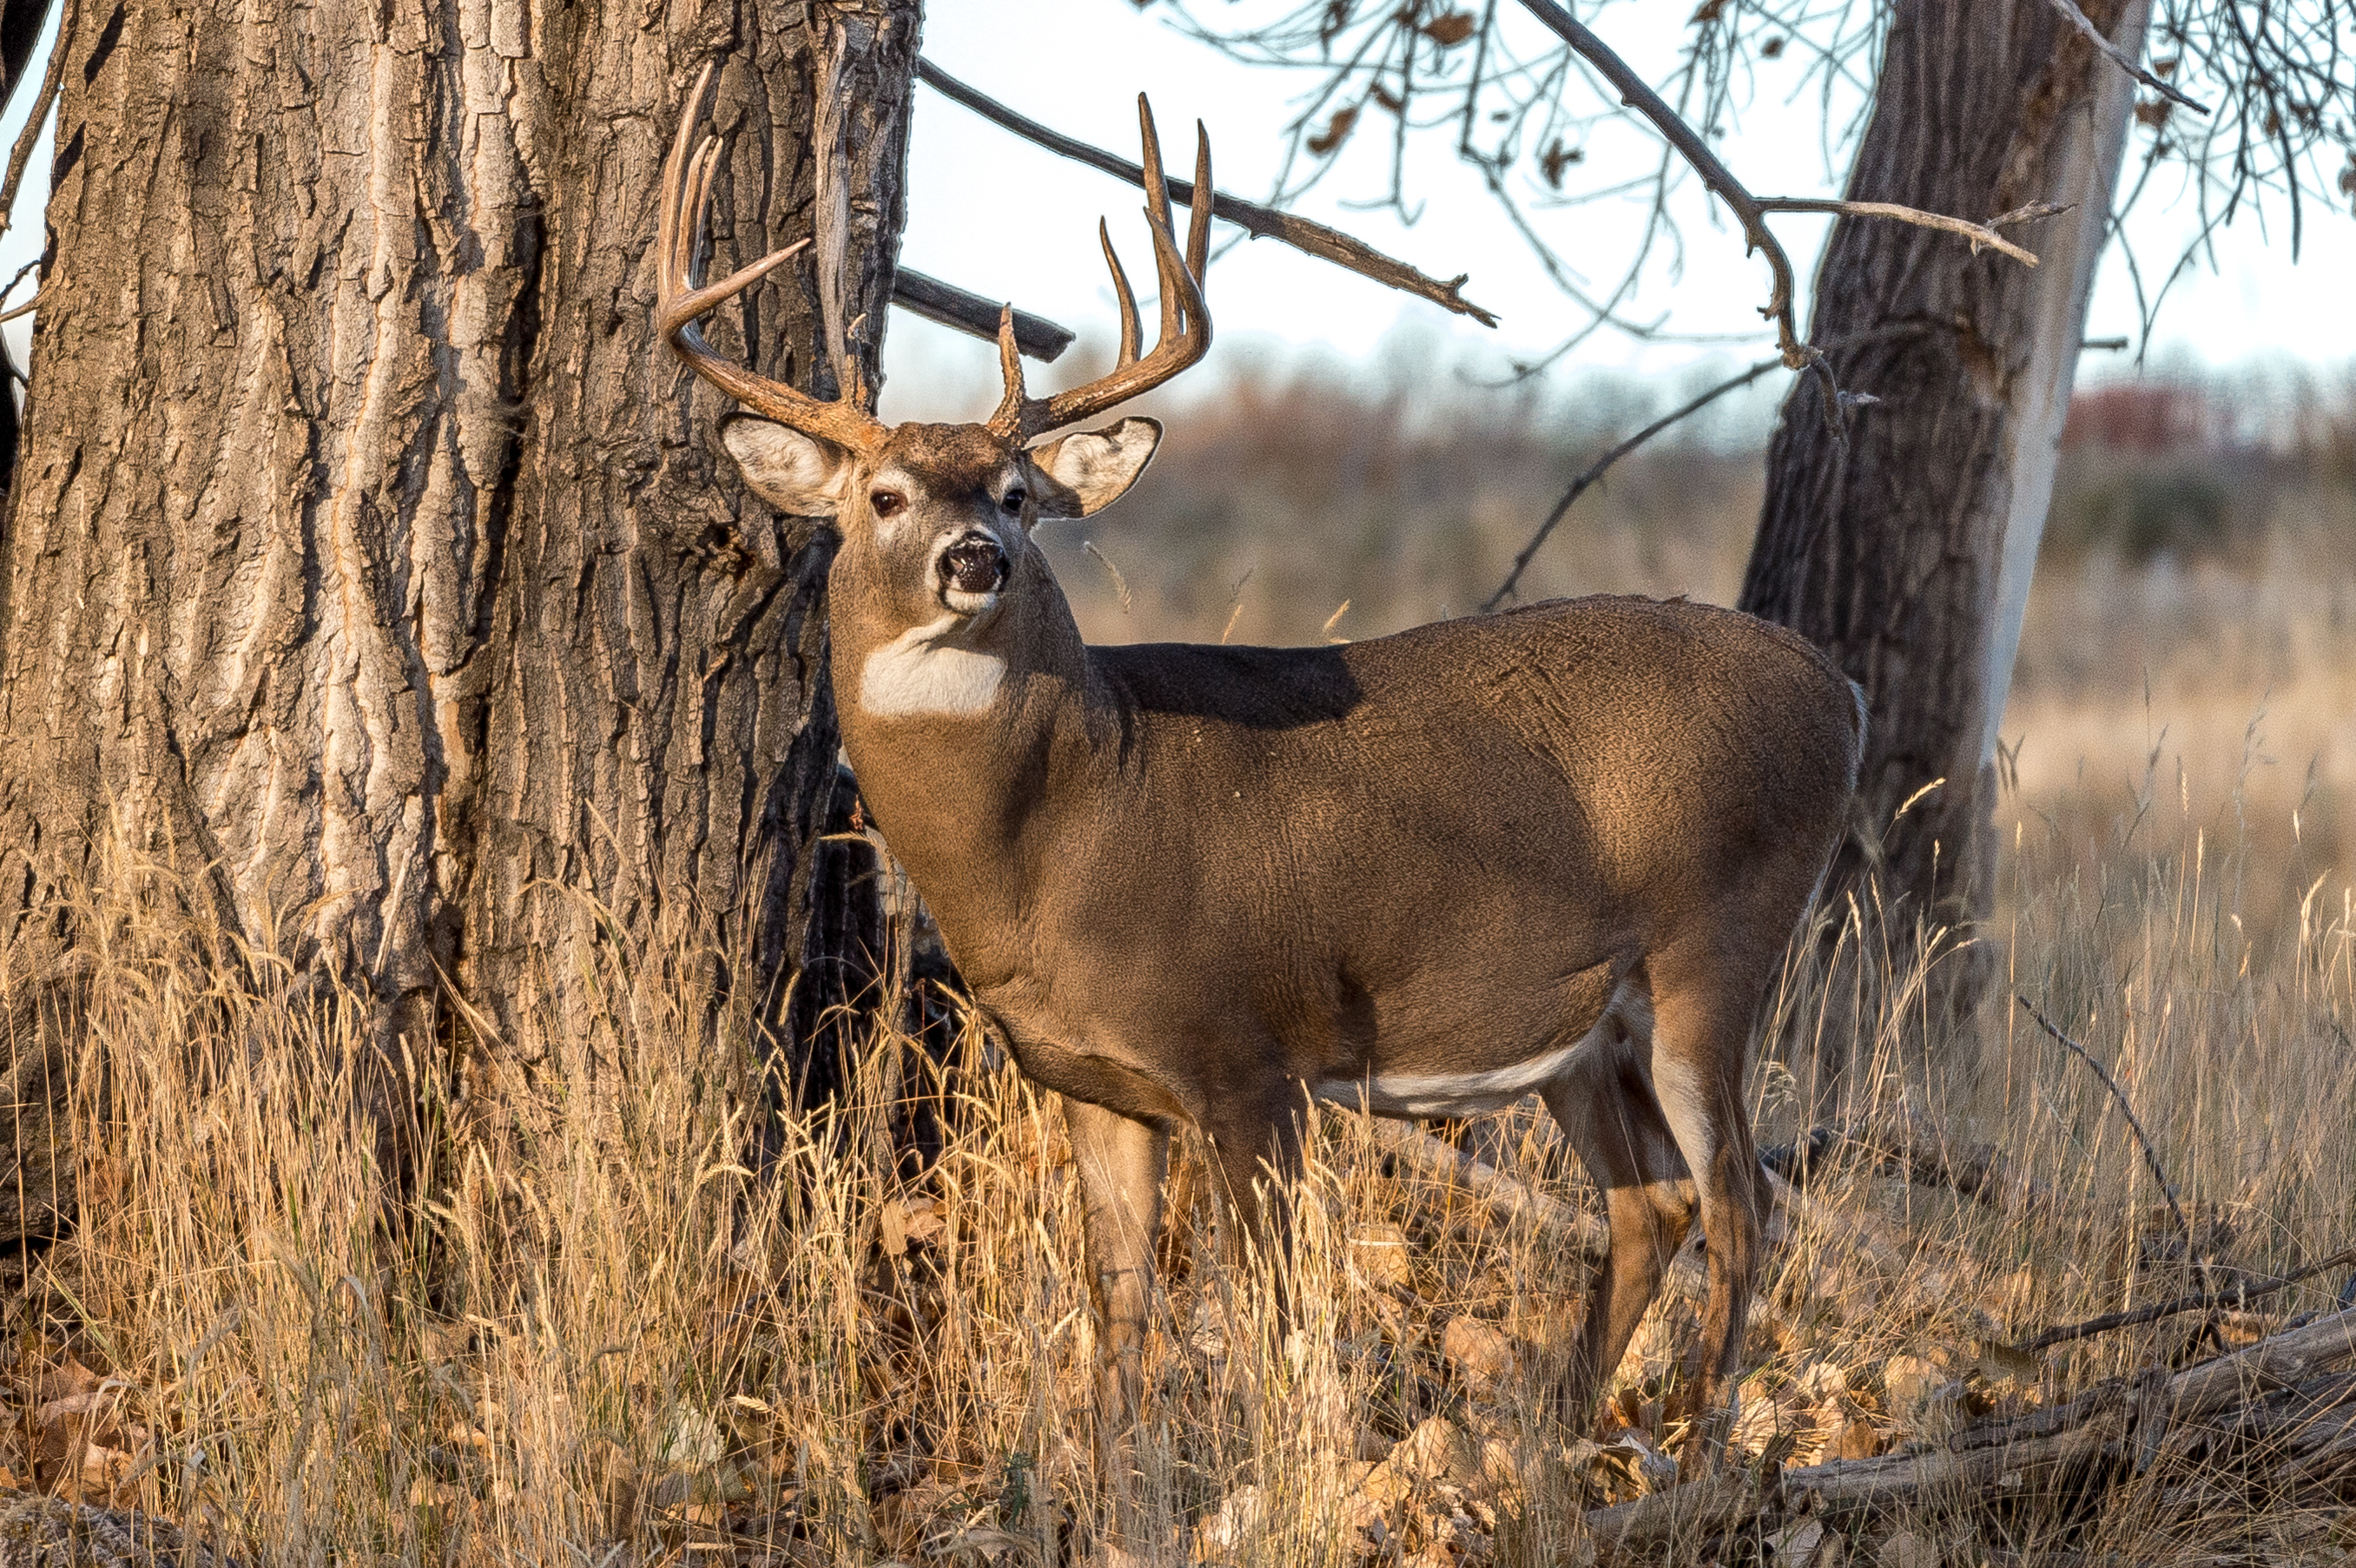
[(1260, 222), (2235, 1296), (2095, 35), (2279, 75), (952, 306), (1595, 471), (1977, 233), (22, 153)]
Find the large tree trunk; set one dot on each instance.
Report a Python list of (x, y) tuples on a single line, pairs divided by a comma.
[(368, 556), (1907, 552)]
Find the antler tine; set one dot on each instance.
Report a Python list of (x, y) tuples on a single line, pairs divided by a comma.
[(1170, 354), (1157, 201), (669, 277), (682, 298), (1198, 213), (1185, 335), (1121, 292)]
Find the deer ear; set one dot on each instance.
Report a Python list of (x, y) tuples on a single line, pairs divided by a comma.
[(1088, 473), (796, 473)]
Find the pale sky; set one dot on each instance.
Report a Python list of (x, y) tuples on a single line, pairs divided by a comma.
[(997, 216)]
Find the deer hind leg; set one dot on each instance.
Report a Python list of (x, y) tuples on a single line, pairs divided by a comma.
[(1701, 1036), (1607, 1109), (1122, 1167)]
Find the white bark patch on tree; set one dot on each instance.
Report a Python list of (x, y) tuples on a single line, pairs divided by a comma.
[(2086, 175)]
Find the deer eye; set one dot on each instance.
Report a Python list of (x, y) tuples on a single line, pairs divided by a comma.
[(1014, 499), (886, 502)]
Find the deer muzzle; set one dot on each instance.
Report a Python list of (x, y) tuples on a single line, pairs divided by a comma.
[(975, 567)]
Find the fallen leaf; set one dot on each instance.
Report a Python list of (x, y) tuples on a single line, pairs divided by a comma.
[(1909, 1380), (1450, 30), (1481, 1352), (1851, 1436), (1438, 1450), (1795, 1544), (1241, 1516), (67, 1381), (1378, 1256), (1819, 1381), (1907, 1550), (1653, 1470)]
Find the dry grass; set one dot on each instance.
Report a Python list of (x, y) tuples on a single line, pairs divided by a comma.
[(602, 1329), (609, 1333)]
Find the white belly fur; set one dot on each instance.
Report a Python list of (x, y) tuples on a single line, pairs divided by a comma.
[(1474, 1093)]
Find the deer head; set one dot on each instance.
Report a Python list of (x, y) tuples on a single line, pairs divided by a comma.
[(936, 519)]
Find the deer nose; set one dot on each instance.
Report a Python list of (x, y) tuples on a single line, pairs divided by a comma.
[(975, 564)]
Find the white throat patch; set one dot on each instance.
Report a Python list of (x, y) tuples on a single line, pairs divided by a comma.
[(920, 671)]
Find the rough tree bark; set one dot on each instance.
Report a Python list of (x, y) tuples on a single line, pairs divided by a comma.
[(21, 33), (1907, 552), (367, 557)]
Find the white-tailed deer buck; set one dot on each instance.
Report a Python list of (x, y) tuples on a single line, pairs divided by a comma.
[(1558, 850)]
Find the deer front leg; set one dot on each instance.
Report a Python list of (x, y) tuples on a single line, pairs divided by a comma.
[(1258, 1151), (1121, 1166)]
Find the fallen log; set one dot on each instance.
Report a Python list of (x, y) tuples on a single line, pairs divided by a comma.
[(1507, 1197), (1907, 1144), (1926, 1285), (2102, 1431)]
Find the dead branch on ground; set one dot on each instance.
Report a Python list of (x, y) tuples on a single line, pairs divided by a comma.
[(2236, 1296), (2272, 1406)]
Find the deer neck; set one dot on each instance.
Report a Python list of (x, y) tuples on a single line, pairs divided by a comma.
[(966, 741)]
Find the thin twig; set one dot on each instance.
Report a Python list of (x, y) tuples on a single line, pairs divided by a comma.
[(1579, 486), (2078, 19), (1260, 222), (1595, 470), (22, 153), (2151, 1155), (2239, 1296), (1979, 234)]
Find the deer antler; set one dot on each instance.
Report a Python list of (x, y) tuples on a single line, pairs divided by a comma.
[(681, 296), (1185, 321)]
